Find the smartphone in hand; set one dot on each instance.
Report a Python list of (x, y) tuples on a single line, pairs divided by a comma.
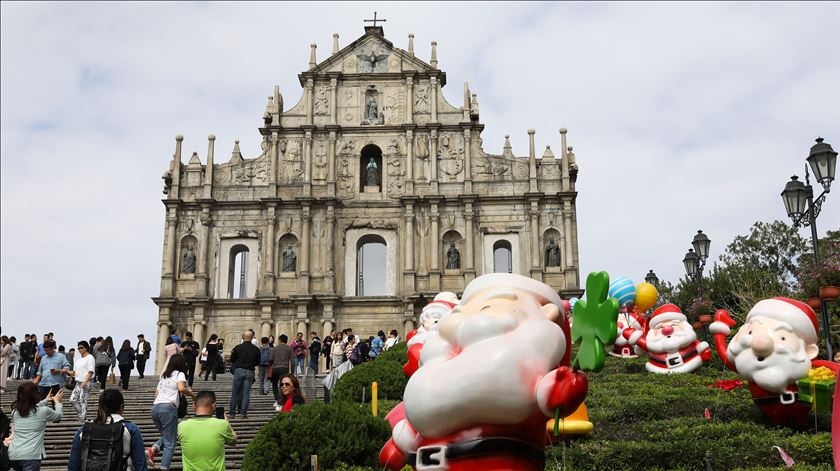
[(220, 412)]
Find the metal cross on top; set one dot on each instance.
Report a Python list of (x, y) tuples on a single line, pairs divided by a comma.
[(374, 20)]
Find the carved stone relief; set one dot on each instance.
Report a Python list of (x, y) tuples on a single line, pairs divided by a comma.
[(320, 172), (346, 169), (322, 101), (520, 169), (421, 153), (396, 176), (491, 167), (350, 64), (394, 108), (291, 167), (421, 99), (371, 61), (450, 156), (246, 172), (350, 105), (547, 170), (394, 63)]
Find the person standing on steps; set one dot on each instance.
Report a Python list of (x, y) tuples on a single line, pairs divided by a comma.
[(144, 349), (165, 409), (83, 372), (212, 348), (191, 349), (244, 358), (125, 360)]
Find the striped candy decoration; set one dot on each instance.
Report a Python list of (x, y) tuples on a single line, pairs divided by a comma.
[(623, 289)]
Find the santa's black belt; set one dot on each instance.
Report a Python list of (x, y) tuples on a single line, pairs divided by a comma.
[(792, 396), (689, 355), (430, 456)]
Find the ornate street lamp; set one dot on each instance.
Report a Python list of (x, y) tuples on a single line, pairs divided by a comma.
[(692, 265), (695, 262), (652, 278), (803, 209)]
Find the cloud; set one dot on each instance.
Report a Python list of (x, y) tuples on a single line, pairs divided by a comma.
[(682, 116)]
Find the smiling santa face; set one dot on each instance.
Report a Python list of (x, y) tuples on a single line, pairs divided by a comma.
[(775, 346), (484, 365), (670, 336)]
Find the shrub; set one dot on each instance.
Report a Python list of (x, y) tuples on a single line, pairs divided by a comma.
[(397, 353), (388, 374), (339, 433)]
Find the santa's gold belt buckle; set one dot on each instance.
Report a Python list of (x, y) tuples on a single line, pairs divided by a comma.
[(431, 458)]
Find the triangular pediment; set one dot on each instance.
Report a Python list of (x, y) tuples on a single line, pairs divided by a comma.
[(371, 54)]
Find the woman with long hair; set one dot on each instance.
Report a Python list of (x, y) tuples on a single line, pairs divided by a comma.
[(84, 366), (112, 352), (29, 419), (110, 411), (337, 352), (165, 408), (170, 348), (103, 363), (125, 359), (290, 394), (212, 348), (5, 359)]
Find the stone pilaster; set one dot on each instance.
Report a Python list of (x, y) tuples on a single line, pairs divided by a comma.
[(304, 249), (162, 334), (268, 263), (467, 162), (201, 278), (331, 164), (434, 93), (532, 163), (409, 162), (433, 158), (408, 274), (333, 92), (536, 248), (409, 104), (564, 162), (329, 278), (307, 163), (469, 265), (167, 286)]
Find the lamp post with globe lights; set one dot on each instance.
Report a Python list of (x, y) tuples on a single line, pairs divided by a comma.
[(804, 209), (695, 262)]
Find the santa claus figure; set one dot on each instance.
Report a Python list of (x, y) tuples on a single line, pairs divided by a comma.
[(670, 342), (431, 316), (772, 350), (488, 381), (626, 320)]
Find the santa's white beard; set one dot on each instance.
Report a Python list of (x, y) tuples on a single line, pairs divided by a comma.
[(491, 381), (620, 341), (672, 343), (775, 372)]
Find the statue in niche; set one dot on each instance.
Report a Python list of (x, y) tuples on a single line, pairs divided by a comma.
[(289, 259), (453, 257), (552, 254), (189, 260), (372, 111), (372, 173)]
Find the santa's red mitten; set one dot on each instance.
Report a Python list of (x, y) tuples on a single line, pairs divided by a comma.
[(562, 389), (413, 359), (722, 324), (706, 355)]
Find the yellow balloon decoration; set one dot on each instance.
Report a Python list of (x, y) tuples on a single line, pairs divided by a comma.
[(646, 295)]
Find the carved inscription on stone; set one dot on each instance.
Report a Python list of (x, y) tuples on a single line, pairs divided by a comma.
[(322, 101), (450, 156)]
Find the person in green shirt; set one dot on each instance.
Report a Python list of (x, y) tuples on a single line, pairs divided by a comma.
[(204, 437)]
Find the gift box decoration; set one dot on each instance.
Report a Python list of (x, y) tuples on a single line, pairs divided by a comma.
[(818, 388)]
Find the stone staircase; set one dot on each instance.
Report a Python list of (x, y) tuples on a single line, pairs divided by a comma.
[(138, 404)]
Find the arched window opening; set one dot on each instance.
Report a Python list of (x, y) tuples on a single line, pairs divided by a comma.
[(502, 257), (370, 169), (237, 271), (371, 263)]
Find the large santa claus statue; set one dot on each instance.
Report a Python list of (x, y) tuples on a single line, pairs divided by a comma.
[(488, 381), (772, 350), (670, 342)]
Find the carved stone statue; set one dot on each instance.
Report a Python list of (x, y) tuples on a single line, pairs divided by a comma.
[(289, 259), (372, 173), (552, 254), (372, 111), (189, 260), (453, 257)]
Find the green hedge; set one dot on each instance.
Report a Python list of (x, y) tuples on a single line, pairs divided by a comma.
[(340, 434), (388, 374), (397, 353)]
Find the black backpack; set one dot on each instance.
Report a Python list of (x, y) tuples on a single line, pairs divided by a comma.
[(102, 447), (360, 353)]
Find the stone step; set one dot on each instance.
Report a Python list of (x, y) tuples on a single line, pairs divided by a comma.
[(138, 403)]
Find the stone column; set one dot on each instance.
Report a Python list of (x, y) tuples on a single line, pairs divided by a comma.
[(409, 106), (203, 252), (434, 89), (467, 162), (409, 161), (536, 248), (564, 162), (162, 334), (333, 92), (331, 164), (175, 168), (198, 331), (265, 320), (567, 228), (307, 163), (330, 243), (469, 265), (532, 163), (208, 169), (435, 250), (433, 158), (274, 155), (268, 277), (300, 320), (408, 278), (310, 84), (304, 250), (167, 287)]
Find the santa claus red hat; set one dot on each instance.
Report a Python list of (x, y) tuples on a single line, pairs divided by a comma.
[(666, 312), (797, 314)]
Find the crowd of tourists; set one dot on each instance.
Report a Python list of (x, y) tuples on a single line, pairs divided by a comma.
[(49, 370)]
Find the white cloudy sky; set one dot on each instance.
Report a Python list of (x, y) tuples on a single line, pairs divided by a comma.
[(683, 116)]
